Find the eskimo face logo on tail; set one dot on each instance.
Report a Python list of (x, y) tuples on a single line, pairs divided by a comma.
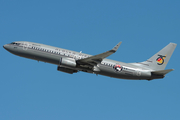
[(160, 59), (117, 68)]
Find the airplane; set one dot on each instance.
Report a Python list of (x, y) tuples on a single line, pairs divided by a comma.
[(72, 62)]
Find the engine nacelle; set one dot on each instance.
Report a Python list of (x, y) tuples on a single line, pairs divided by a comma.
[(69, 62)]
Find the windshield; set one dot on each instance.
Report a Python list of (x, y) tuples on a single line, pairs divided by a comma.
[(14, 43)]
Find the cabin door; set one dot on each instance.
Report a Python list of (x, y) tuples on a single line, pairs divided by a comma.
[(25, 46)]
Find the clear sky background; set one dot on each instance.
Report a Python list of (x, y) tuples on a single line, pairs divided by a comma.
[(31, 90)]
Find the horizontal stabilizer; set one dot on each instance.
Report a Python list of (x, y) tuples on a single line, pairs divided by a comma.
[(162, 72)]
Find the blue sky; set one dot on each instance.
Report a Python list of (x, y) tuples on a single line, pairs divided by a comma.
[(36, 90)]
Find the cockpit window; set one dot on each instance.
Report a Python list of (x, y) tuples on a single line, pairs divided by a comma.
[(14, 43)]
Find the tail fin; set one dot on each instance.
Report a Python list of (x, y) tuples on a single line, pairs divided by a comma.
[(160, 59)]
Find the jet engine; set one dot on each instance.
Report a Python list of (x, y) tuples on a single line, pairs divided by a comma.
[(67, 65), (69, 62)]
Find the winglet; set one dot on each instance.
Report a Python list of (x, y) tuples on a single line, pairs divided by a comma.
[(116, 47)]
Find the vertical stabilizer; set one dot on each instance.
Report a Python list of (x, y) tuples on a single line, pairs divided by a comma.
[(160, 59)]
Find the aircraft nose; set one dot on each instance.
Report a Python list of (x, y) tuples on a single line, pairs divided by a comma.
[(5, 46)]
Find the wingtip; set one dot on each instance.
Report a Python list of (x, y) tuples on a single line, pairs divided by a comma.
[(117, 46)]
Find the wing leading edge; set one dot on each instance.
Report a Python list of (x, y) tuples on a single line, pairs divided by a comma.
[(93, 60)]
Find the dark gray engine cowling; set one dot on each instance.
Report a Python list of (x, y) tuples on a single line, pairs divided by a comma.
[(69, 62)]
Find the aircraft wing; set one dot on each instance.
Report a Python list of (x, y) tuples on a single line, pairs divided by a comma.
[(93, 60)]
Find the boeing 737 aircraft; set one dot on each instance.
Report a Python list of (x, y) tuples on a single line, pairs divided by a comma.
[(71, 62)]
